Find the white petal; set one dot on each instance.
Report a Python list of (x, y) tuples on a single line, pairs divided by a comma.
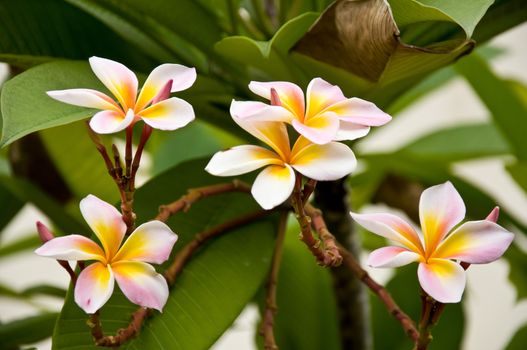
[(259, 111), (84, 98), (109, 122), (350, 131), (273, 186), (72, 247), (170, 114), (443, 280), (240, 160), (392, 257), (94, 287)]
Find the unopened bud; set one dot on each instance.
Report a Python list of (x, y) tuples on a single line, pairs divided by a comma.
[(275, 100), (44, 233), (164, 93), (494, 214)]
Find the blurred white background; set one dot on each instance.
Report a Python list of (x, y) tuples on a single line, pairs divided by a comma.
[(490, 301)]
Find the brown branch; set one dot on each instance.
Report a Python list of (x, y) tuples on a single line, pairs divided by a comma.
[(123, 334), (325, 257), (145, 135), (266, 329), (405, 320), (328, 240), (195, 194), (128, 151), (199, 239)]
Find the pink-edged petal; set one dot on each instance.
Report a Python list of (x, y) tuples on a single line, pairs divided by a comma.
[(170, 114), (443, 280), (327, 162), (72, 247), (320, 95), (105, 221), (150, 242), (351, 131), (291, 96), (392, 227), (259, 111), (109, 122), (94, 287), (392, 257), (274, 134), (273, 186), (475, 242), (440, 209), (84, 98), (182, 78), (141, 284), (358, 111), (320, 129), (120, 80), (240, 160)]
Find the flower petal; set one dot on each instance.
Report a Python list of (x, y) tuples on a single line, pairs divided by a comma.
[(273, 134), (475, 242), (94, 287), (273, 186), (182, 78), (170, 114), (321, 95), (120, 80), (108, 122), (443, 280), (151, 242), (358, 111), (259, 111), (327, 162), (392, 257), (291, 96), (72, 247), (320, 129), (84, 98), (105, 221), (351, 131), (141, 284), (440, 209), (240, 160), (392, 227)]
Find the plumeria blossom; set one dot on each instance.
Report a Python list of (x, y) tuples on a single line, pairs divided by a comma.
[(127, 264), (275, 183), (168, 114), (326, 115), (440, 210)]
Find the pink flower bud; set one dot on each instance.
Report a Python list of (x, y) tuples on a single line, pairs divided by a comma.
[(44, 233)]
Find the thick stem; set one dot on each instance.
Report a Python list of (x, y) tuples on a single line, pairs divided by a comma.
[(145, 135), (272, 283), (352, 299), (128, 150)]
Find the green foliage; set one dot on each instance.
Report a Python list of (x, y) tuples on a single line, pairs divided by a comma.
[(241, 257), (26, 331), (519, 340), (404, 288)]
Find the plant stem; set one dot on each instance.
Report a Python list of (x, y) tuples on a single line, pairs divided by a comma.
[(270, 302), (128, 151), (145, 135)]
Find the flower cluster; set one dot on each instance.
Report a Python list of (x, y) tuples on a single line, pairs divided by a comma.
[(440, 210), (127, 264), (327, 116)]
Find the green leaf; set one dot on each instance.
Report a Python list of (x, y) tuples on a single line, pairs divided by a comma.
[(25, 191), (307, 313), (517, 270), (213, 288), (10, 205), (80, 165), (508, 108), (20, 245), (34, 31), (26, 107), (459, 143), (519, 340), (26, 331), (501, 16), (404, 288), (42, 289), (518, 171)]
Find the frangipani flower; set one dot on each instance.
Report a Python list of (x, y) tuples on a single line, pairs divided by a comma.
[(440, 210), (328, 115), (169, 114), (276, 182), (151, 242)]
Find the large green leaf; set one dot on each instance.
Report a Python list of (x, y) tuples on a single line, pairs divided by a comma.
[(519, 340), (10, 205), (213, 288), (404, 288), (508, 107), (34, 31), (459, 143), (502, 15), (307, 315), (26, 331)]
